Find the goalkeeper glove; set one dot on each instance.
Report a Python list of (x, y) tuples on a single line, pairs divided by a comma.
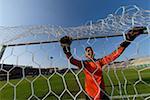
[(65, 43), (132, 34)]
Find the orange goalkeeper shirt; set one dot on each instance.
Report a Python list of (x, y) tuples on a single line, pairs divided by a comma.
[(93, 72)]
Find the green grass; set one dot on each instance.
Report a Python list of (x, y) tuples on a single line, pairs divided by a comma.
[(55, 84)]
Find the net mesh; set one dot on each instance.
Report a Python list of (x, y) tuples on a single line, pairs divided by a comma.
[(34, 66)]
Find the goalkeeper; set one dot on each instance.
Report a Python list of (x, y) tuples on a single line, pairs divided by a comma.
[(94, 83)]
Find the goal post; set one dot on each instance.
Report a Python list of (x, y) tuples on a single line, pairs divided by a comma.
[(2, 50)]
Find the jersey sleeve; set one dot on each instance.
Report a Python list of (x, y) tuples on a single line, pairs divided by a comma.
[(111, 57), (74, 61)]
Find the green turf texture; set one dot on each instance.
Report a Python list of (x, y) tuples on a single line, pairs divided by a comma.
[(52, 85)]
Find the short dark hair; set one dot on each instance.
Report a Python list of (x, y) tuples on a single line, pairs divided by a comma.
[(88, 47)]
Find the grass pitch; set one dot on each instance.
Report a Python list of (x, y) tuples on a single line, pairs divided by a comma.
[(118, 82)]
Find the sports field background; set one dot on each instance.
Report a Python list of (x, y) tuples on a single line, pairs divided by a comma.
[(41, 83)]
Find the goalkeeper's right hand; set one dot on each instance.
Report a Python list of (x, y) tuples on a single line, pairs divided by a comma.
[(65, 43)]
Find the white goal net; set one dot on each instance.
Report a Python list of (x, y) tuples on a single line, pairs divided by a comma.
[(34, 67)]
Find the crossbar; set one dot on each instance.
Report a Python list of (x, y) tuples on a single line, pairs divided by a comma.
[(54, 41)]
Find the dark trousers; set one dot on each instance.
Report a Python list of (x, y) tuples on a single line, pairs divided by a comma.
[(103, 97)]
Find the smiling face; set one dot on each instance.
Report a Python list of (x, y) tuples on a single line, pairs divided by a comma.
[(89, 54)]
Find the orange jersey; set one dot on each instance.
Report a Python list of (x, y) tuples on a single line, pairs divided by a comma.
[(93, 71)]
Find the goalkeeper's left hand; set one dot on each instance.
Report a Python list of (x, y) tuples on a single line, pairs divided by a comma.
[(134, 32)]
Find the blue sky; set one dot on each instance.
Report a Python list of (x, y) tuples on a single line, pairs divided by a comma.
[(60, 12), (67, 13)]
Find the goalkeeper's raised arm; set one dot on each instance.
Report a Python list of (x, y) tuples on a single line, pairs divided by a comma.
[(65, 44), (130, 36)]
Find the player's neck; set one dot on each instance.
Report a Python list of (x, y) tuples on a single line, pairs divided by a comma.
[(91, 59)]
